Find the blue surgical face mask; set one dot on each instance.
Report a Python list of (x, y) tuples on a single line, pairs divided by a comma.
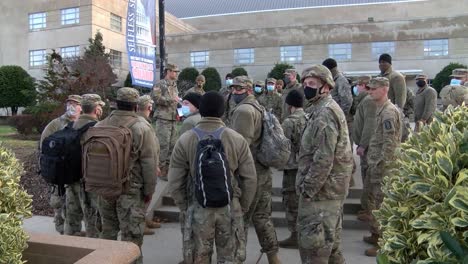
[(356, 90), (258, 89), (270, 88), (186, 110), (229, 82), (455, 82)]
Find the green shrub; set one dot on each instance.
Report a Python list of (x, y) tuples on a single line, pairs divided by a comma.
[(42, 114), (17, 88), (213, 80), (426, 192), (442, 78), (128, 80), (188, 74), (15, 205), (239, 72)]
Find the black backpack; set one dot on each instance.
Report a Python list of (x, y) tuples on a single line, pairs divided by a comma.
[(213, 188), (61, 156)]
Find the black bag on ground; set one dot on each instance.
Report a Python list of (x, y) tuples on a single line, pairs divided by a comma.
[(213, 187), (61, 156)]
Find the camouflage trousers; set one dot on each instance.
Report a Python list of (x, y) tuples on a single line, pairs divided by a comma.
[(319, 227), (125, 214), (260, 212), (204, 227), (167, 135), (57, 203), (290, 198), (375, 174), (406, 130), (365, 184), (81, 206)]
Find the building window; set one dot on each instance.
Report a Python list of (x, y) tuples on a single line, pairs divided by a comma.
[(379, 48), (70, 16), (199, 59), (244, 56), (340, 52), (291, 54), (37, 58), (37, 21), (436, 47), (70, 52), (115, 58), (115, 22)]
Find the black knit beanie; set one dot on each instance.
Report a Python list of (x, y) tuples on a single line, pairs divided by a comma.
[(329, 63), (193, 98), (212, 104), (385, 57), (295, 98)]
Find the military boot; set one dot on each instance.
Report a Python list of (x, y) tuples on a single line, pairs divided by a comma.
[(148, 231), (372, 252), (364, 216), (273, 258), (152, 224), (372, 239), (290, 242)]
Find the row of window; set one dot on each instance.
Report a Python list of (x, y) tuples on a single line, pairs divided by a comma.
[(340, 52), (69, 16), (38, 57)]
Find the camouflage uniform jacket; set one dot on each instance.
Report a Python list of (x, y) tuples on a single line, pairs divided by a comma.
[(364, 122), (408, 110), (240, 161), (425, 104), (341, 93), (190, 122), (54, 126), (325, 157), (454, 95), (143, 117), (356, 101), (397, 90), (195, 89), (163, 95), (293, 126), (272, 101), (385, 140), (247, 121), (291, 86), (144, 149)]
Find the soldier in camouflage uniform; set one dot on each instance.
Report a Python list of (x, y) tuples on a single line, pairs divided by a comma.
[(57, 200), (279, 86), (247, 121), (456, 94), (80, 204), (166, 97), (126, 213), (290, 80), (226, 90), (204, 226), (325, 167), (198, 88), (425, 102), (363, 129), (259, 89), (293, 126), (271, 100), (381, 150), (191, 102)]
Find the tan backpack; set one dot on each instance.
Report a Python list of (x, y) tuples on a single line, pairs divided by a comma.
[(106, 158)]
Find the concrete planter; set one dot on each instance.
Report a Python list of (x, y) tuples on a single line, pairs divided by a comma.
[(44, 248)]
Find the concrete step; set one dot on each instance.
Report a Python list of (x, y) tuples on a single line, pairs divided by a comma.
[(171, 214)]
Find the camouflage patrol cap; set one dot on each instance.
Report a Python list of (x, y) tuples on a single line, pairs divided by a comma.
[(459, 73), (271, 80), (321, 72), (364, 79), (242, 81), (172, 67), (74, 98), (454, 95), (144, 100), (260, 83), (127, 94), (92, 100), (421, 77), (290, 71), (200, 78), (378, 82)]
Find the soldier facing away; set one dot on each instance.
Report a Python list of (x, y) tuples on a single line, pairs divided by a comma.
[(202, 227), (325, 167)]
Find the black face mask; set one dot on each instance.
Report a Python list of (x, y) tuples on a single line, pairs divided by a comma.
[(239, 97), (310, 92), (421, 83), (286, 80)]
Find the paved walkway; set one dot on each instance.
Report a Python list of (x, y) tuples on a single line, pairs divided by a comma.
[(165, 246)]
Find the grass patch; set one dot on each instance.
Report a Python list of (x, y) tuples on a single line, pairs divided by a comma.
[(11, 139), (6, 130)]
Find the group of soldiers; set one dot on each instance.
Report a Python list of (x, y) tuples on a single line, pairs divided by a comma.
[(322, 114)]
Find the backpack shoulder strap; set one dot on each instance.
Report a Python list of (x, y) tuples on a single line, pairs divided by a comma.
[(85, 128), (202, 133), (256, 107), (131, 122), (70, 124)]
